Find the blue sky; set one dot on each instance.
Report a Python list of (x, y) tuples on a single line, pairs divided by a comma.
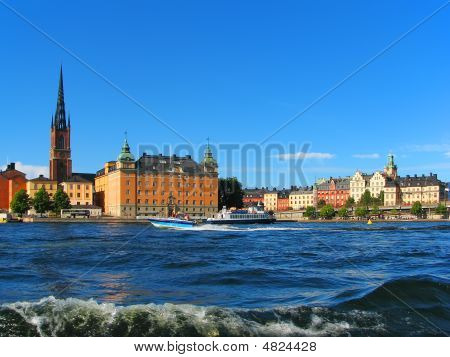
[(233, 71)]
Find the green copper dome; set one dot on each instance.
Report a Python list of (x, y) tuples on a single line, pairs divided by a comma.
[(208, 156), (125, 154)]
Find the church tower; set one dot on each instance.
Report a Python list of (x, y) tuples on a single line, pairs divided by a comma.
[(60, 153), (391, 169)]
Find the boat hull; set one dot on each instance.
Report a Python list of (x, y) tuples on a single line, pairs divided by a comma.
[(171, 223), (241, 221)]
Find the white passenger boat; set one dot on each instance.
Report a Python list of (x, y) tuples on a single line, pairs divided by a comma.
[(248, 216)]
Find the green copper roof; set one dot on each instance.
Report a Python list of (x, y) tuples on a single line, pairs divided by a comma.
[(125, 154), (390, 162), (208, 156)]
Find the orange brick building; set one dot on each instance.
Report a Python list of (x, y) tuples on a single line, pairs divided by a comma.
[(334, 191), (157, 185), (11, 181), (283, 201)]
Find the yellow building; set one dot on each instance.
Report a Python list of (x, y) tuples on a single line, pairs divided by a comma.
[(35, 184), (301, 199), (377, 183), (424, 189), (359, 183), (271, 201), (79, 190), (157, 185), (392, 194)]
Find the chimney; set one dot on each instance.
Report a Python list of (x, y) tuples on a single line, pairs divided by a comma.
[(11, 166)]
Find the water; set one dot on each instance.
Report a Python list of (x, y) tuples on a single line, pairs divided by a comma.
[(286, 279)]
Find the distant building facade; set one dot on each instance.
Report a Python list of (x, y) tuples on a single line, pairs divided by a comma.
[(34, 185), (283, 200), (359, 183), (253, 196), (11, 181), (425, 189), (334, 191), (300, 199), (79, 190), (271, 200), (158, 185)]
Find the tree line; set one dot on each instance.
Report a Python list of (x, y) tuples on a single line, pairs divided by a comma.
[(41, 202), (361, 208)]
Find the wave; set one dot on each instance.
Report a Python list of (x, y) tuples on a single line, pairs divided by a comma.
[(231, 228), (405, 307)]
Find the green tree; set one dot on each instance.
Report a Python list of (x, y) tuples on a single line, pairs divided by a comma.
[(20, 202), (327, 212), (350, 202), (321, 203), (361, 211), (381, 198), (416, 209), (230, 193), (366, 199), (310, 212), (60, 201), (394, 211), (343, 212), (441, 209), (41, 201), (375, 210)]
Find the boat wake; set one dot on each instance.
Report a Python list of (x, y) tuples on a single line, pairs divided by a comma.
[(231, 228), (378, 313)]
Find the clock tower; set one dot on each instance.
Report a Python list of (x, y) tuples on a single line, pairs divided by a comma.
[(60, 152)]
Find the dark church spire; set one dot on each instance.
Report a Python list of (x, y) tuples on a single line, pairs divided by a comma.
[(60, 115)]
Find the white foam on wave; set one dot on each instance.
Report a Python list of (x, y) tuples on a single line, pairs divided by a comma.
[(231, 228), (52, 317)]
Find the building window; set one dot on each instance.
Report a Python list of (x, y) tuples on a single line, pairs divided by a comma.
[(78, 194), (78, 187)]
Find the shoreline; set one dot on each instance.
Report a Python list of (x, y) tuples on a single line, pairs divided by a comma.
[(362, 220), (143, 221)]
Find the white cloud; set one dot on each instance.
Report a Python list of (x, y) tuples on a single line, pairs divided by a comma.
[(366, 156), (31, 171), (306, 155)]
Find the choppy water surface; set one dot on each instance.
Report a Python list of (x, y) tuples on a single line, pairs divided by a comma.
[(288, 279)]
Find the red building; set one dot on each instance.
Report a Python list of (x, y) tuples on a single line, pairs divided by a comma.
[(11, 181), (283, 201), (334, 191), (253, 196)]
